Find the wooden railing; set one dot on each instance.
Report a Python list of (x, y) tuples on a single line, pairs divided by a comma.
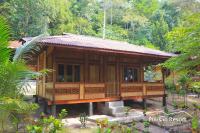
[(80, 91), (76, 91), (141, 89)]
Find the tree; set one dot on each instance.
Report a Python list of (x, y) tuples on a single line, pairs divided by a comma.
[(28, 17), (60, 17), (15, 73), (185, 40), (159, 28)]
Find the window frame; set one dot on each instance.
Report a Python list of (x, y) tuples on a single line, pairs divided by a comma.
[(133, 67), (65, 72)]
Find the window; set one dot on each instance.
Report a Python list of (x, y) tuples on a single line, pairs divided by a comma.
[(76, 73), (130, 74), (68, 73), (61, 73)]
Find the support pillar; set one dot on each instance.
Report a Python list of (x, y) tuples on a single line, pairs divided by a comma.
[(164, 100), (45, 107), (53, 109), (144, 103), (90, 109), (36, 98)]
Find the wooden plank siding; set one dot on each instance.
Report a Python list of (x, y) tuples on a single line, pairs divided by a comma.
[(101, 77)]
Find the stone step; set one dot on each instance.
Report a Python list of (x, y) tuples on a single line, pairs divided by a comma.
[(118, 109), (114, 104), (121, 114)]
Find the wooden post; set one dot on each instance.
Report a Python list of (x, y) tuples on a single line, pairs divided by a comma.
[(144, 90), (90, 109), (118, 78), (105, 73), (86, 68), (53, 107), (38, 80), (81, 91), (101, 69), (142, 73), (163, 81), (44, 76)]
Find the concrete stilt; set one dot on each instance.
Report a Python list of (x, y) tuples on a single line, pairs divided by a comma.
[(144, 103), (53, 109), (36, 99), (90, 109), (45, 107), (164, 101)]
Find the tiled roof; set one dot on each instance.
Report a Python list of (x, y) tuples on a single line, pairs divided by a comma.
[(81, 41)]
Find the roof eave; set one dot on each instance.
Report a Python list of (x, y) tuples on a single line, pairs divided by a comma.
[(106, 50)]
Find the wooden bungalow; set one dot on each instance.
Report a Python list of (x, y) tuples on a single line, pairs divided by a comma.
[(89, 69)]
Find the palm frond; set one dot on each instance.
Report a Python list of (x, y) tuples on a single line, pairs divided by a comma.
[(4, 36), (28, 49)]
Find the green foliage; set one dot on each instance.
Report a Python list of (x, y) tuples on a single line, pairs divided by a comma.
[(185, 39), (4, 36), (47, 124), (14, 111), (195, 122), (62, 114), (142, 22), (83, 119), (195, 86), (146, 124), (113, 127), (170, 86), (127, 110), (13, 74)]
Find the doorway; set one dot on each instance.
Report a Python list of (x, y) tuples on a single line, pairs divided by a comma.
[(111, 86)]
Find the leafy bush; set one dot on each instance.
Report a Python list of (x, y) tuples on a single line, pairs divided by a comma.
[(127, 110), (47, 124), (114, 127), (146, 125), (15, 111), (195, 122), (83, 119)]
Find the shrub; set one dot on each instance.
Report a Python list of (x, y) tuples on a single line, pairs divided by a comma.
[(47, 124), (15, 111)]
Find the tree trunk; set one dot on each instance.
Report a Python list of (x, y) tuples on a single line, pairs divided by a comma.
[(111, 17)]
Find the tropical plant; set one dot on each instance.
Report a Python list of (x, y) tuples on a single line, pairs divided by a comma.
[(171, 88), (133, 128), (62, 114), (14, 111), (127, 110), (4, 36), (146, 126), (113, 127), (195, 123), (46, 124), (14, 75), (83, 119), (184, 81), (195, 87)]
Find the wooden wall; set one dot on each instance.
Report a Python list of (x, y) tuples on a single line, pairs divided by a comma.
[(96, 69)]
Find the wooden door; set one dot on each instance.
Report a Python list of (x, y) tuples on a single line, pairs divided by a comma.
[(111, 89)]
